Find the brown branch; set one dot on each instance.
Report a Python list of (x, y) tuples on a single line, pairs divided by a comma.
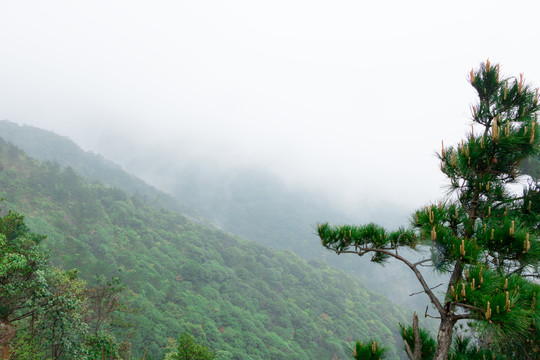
[(422, 261), (408, 350), (416, 293), (426, 315), (467, 306), (416, 272), (456, 275), (462, 316), (20, 317), (417, 340), (519, 269), (417, 354)]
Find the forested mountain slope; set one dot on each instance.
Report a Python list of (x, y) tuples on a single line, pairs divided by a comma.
[(238, 297), (46, 145), (244, 201)]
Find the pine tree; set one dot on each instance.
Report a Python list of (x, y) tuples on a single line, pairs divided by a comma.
[(369, 351), (189, 349), (484, 234)]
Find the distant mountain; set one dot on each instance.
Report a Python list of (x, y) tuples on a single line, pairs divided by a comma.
[(257, 205), (48, 146), (235, 296), (245, 201)]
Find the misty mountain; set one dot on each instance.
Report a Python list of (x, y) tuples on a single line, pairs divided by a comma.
[(48, 146), (245, 201), (238, 297)]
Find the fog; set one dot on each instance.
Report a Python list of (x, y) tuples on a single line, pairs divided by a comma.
[(348, 98)]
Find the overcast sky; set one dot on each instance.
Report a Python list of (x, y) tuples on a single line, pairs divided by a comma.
[(353, 97)]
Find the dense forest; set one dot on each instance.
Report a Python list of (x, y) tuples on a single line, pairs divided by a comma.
[(240, 299), (46, 145), (243, 180), (247, 202)]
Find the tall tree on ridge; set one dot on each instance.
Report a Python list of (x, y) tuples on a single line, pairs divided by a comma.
[(485, 233)]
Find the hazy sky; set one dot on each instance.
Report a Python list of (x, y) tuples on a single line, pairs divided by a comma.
[(353, 97)]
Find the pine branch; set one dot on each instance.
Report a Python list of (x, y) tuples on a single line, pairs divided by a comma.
[(462, 317), (467, 306), (419, 276), (422, 261), (426, 315), (416, 293)]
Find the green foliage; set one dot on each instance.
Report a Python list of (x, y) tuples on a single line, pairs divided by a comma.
[(370, 351), (104, 301), (464, 348), (485, 235), (62, 152), (428, 342), (21, 263), (103, 346), (244, 201), (239, 298), (40, 305), (189, 349), (43, 308), (368, 238), (59, 324)]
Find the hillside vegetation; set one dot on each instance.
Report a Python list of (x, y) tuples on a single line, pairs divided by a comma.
[(247, 202), (237, 297), (46, 145)]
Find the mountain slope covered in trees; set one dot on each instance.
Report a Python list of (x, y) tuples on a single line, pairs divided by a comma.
[(239, 298), (244, 201), (48, 146)]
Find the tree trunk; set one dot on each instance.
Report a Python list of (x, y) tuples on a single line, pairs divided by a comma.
[(7, 332), (444, 338), (417, 354)]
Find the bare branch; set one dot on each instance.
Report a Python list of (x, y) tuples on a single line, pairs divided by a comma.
[(422, 261), (456, 275), (418, 274), (416, 293), (462, 316), (426, 315), (29, 313), (408, 350), (417, 339)]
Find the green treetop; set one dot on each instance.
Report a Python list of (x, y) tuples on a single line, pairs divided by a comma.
[(43, 308), (369, 351), (189, 349), (485, 233)]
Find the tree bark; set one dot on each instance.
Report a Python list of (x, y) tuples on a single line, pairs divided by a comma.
[(7, 332), (444, 337), (417, 355)]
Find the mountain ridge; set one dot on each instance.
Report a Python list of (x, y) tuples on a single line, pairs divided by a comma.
[(245, 201), (172, 265)]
